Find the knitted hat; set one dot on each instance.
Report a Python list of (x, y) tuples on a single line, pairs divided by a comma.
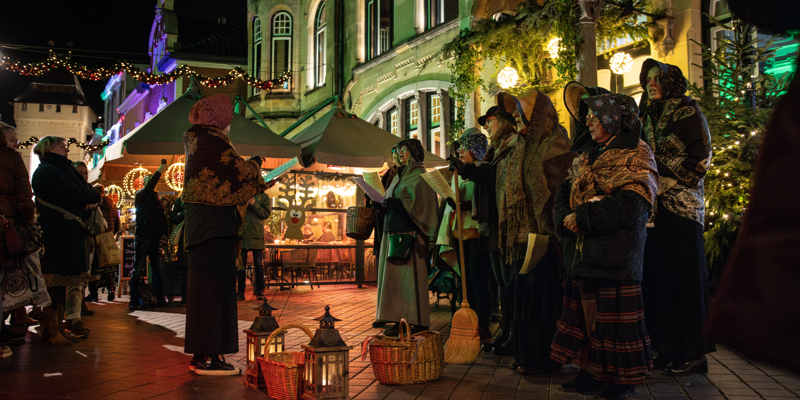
[(473, 140), (215, 111)]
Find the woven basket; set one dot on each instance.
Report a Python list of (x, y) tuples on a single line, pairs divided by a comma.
[(360, 222), (283, 372), (405, 360)]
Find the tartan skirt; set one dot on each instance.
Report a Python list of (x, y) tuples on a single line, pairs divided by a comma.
[(619, 346)]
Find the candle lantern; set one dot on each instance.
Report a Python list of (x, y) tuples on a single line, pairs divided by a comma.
[(257, 345), (327, 362)]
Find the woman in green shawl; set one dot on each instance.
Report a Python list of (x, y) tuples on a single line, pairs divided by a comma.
[(410, 222)]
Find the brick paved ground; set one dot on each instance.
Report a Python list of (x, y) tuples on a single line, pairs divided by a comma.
[(139, 355)]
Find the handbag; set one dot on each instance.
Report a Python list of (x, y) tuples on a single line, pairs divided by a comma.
[(400, 245), (23, 284), (146, 295), (21, 239), (93, 226), (107, 254)]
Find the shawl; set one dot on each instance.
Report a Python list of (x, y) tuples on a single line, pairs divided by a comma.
[(530, 169), (677, 132), (215, 174), (417, 196)]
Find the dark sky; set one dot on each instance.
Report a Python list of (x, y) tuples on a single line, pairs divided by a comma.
[(102, 33)]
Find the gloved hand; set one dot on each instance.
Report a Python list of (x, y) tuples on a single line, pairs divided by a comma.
[(451, 203), (257, 159), (456, 164), (375, 205), (396, 204)]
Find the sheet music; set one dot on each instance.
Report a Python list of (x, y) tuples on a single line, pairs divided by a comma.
[(439, 184), (374, 180), (369, 190), (280, 171)]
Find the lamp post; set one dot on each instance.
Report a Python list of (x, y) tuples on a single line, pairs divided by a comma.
[(257, 345), (327, 362)]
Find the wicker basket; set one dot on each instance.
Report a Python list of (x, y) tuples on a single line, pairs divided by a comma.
[(283, 372), (360, 222), (406, 360)]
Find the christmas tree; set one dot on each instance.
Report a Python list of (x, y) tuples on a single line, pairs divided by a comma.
[(737, 101)]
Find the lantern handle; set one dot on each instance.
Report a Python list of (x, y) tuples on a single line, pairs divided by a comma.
[(284, 328)]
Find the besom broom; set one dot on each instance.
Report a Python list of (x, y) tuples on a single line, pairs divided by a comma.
[(464, 344)]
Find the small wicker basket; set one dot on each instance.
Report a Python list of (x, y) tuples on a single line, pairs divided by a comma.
[(405, 360), (359, 222), (283, 372)]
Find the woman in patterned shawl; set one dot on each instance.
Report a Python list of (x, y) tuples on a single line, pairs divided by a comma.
[(218, 184), (674, 281), (601, 213)]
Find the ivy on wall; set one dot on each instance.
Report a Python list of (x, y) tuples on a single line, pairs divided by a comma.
[(521, 41)]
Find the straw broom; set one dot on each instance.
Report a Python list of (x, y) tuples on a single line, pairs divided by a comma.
[(464, 344)]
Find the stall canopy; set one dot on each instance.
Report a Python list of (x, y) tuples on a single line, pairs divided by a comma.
[(340, 138), (161, 136)]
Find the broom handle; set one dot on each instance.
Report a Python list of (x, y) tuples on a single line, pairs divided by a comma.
[(460, 224)]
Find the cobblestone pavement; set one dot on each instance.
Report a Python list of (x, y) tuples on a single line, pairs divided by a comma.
[(138, 355)]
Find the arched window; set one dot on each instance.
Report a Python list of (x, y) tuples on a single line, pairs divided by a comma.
[(255, 67), (320, 22), (281, 45)]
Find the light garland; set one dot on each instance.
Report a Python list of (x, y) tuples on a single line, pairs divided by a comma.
[(621, 63), (131, 177), (507, 78), (554, 47), (97, 74), (83, 146), (174, 176), (113, 191)]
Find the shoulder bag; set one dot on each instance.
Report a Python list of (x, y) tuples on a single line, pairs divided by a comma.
[(21, 239), (400, 245), (94, 226)]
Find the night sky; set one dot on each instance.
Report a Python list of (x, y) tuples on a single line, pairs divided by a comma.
[(101, 33)]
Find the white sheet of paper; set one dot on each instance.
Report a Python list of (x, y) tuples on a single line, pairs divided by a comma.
[(280, 171), (369, 190), (439, 184), (374, 180)]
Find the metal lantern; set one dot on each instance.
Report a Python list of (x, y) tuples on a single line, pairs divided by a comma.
[(257, 345), (327, 362)]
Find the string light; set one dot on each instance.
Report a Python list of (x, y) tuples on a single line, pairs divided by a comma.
[(174, 176), (83, 146), (131, 178), (97, 74), (621, 63), (116, 195), (507, 78)]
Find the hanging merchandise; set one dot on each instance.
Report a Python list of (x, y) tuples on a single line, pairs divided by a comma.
[(116, 195), (174, 176), (133, 179)]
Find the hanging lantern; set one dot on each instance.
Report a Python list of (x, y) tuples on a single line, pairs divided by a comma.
[(257, 345), (621, 63), (327, 362), (130, 178), (554, 47), (174, 176), (507, 78), (115, 193)]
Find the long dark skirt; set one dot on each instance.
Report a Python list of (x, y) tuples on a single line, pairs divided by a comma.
[(618, 348), (674, 286), (211, 313), (537, 306)]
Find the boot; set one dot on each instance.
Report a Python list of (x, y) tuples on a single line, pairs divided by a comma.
[(35, 312), (507, 348), (72, 338), (21, 318), (502, 335), (77, 329), (49, 321)]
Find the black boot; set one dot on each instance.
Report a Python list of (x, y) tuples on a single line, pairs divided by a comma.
[(502, 336), (507, 348)]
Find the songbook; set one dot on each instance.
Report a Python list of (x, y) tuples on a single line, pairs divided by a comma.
[(374, 180), (369, 190), (439, 184), (280, 171), (537, 247)]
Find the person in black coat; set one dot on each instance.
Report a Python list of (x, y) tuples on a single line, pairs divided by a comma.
[(66, 259), (151, 224)]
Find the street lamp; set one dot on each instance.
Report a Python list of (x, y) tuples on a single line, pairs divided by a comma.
[(257, 345), (327, 362)]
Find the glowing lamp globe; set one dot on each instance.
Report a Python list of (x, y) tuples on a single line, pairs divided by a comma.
[(507, 78), (138, 183), (554, 47), (621, 63)]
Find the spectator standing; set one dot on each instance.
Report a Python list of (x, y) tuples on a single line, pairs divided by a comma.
[(258, 209), (111, 215), (177, 217), (151, 225)]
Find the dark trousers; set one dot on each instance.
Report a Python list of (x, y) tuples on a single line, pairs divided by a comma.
[(479, 291), (258, 266), (144, 248), (506, 276)]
